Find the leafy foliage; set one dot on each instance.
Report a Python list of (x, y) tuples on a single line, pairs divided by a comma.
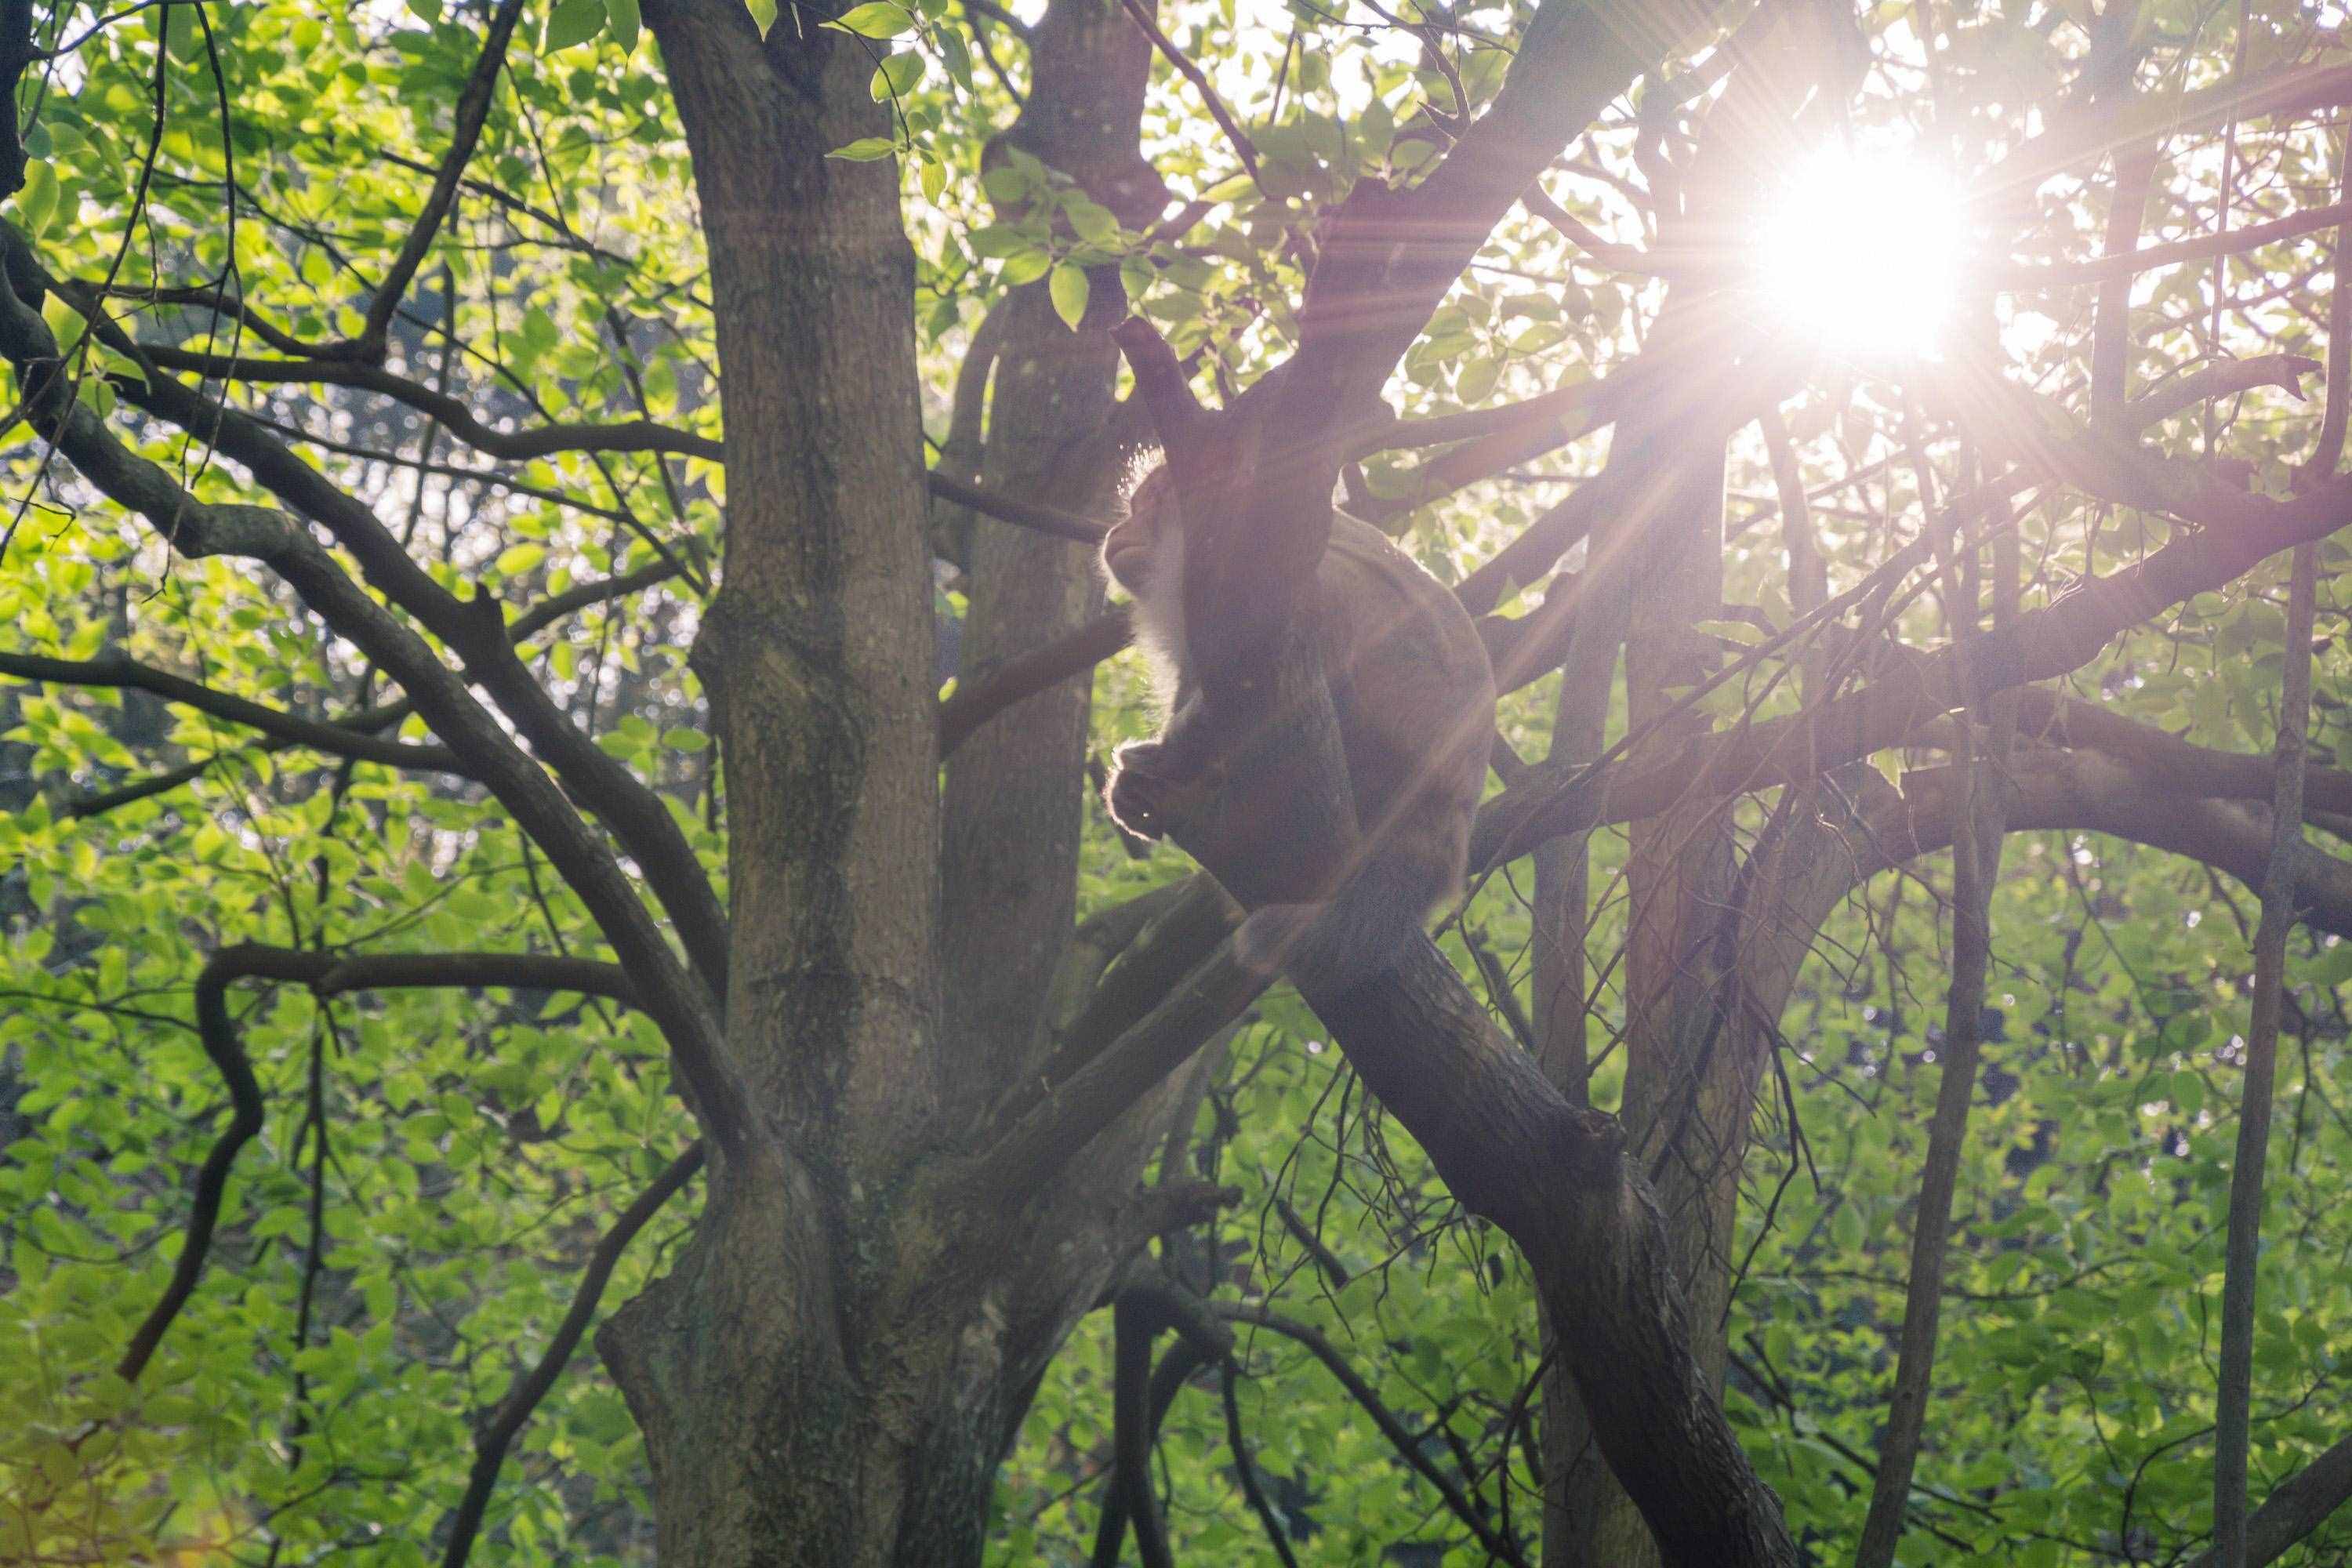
[(436, 1165)]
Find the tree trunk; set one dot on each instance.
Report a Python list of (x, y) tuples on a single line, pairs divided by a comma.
[(844, 1352)]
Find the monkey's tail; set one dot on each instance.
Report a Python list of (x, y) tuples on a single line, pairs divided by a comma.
[(1356, 937)]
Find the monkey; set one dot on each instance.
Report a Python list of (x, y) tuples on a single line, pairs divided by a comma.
[(1414, 697)]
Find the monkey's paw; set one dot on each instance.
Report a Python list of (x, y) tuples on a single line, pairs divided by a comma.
[(1136, 798)]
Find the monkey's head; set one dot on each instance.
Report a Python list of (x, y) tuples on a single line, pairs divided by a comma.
[(1147, 524)]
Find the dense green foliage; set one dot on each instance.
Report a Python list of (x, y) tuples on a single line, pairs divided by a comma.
[(435, 1165)]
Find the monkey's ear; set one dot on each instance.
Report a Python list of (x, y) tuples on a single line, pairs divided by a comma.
[(1183, 424)]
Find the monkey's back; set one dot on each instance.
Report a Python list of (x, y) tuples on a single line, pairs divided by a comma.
[(1415, 693)]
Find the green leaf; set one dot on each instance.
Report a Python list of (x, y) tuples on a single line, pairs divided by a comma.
[(38, 202), (426, 11), (997, 240), (1095, 224), (1069, 290), (573, 22), (763, 14), (864, 150), (1026, 266), (875, 19), (517, 558), (65, 323), (626, 21), (897, 75), (955, 54)]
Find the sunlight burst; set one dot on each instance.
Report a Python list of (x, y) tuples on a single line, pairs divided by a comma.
[(1865, 250)]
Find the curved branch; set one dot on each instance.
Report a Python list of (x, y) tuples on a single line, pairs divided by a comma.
[(475, 629), (218, 1033), (2197, 247), (2084, 792), (1025, 513), (120, 670), (1246, 1469), (1408, 1447), (2239, 531), (330, 972), (196, 528), (2296, 1507), (373, 720), (491, 1444)]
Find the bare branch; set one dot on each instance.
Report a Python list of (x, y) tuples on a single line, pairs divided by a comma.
[(2296, 89), (2198, 247), (472, 110), (1408, 1447), (1022, 513), (475, 629), (2233, 1402), (218, 1032), (2296, 1507), (992, 693), (492, 1443), (196, 528), (326, 973), (116, 670), (1244, 149)]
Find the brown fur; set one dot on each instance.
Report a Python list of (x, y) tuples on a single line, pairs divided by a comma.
[(1414, 698)]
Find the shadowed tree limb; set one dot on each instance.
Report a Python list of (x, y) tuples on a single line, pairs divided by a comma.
[(119, 670), (997, 689), (492, 1442), (2200, 247), (473, 107), (2050, 641), (2233, 1402), (327, 973), (473, 628), (2296, 1507), (218, 1033), (1246, 1469), (376, 720), (2293, 89), (1408, 1447), (196, 528)]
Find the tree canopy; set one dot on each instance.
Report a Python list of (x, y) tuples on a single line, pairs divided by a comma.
[(566, 993)]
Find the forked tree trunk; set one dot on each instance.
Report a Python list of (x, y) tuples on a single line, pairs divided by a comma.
[(840, 1359)]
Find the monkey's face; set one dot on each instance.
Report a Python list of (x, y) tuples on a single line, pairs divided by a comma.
[(1128, 550)]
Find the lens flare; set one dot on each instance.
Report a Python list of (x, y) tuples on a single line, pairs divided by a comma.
[(1863, 252)]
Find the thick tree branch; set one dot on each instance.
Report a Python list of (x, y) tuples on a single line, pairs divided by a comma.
[(2198, 247), (2240, 531), (2233, 1400), (476, 630), (1021, 514), (2296, 1507), (196, 528), (2296, 89), (997, 689)]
